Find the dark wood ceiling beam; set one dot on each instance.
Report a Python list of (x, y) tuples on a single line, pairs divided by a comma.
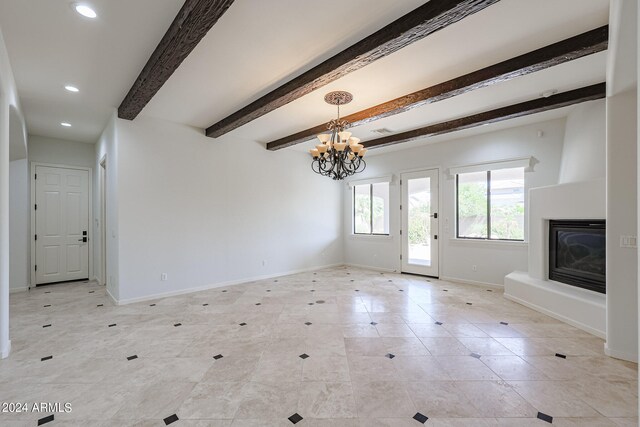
[(426, 19), (567, 50), (191, 24), (564, 99)]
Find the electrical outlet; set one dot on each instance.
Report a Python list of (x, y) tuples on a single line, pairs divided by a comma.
[(628, 242), (474, 267), (163, 276)]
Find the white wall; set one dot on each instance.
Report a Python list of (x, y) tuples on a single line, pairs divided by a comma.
[(19, 230), (206, 212), (494, 260), (584, 150), (12, 147), (58, 151), (107, 149)]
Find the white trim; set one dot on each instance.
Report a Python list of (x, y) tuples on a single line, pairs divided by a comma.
[(520, 162), (471, 282), (489, 242), (579, 325), (5, 353), (18, 289), (216, 285), (373, 237), (370, 267), (32, 190), (620, 354), (381, 179), (113, 299)]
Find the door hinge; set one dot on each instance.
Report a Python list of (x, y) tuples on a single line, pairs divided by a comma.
[(400, 207), (36, 176), (400, 256), (400, 182), (35, 207), (36, 268), (36, 237), (435, 237), (401, 232)]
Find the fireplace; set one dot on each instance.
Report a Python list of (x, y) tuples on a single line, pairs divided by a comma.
[(577, 253)]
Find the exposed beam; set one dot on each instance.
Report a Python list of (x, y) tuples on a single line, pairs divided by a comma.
[(426, 19), (567, 50), (588, 93), (191, 24)]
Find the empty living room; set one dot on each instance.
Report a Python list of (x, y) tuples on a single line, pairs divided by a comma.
[(356, 213)]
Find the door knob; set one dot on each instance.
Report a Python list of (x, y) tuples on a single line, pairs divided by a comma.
[(84, 239)]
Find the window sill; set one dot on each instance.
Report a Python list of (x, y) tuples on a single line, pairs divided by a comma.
[(497, 243), (371, 236)]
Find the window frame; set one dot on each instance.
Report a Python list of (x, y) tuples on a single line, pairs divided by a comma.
[(353, 209), (488, 238)]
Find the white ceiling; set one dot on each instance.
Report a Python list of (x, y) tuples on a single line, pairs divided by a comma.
[(258, 45)]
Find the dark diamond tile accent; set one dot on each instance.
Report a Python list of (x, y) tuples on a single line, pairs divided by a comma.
[(204, 305), (218, 356), (308, 323), (224, 290), (314, 280), (504, 323), (390, 280), (560, 355), (438, 323), (545, 417), (374, 323), (476, 355), (357, 290), (313, 290), (243, 324), (469, 303), (315, 274), (258, 303), (420, 418), (275, 280), (112, 325), (170, 419), (400, 290), (47, 326), (48, 305), (390, 355), (348, 274), (152, 305), (91, 292), (135, 356), (445, 290), (310, 303), (489, 290), (268, 290), (100, 305), (303, 356), (352, 280), (45, 420), (295, 418), (48, 292), (320, 302), (177, 324), (46, 358)]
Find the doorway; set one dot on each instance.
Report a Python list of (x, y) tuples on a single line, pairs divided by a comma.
[(103, 220), (420, 222), (61, 212)]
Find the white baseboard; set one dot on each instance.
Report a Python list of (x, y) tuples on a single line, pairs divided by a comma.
[(620, 354), (217, 285), (579, 325), (18, 289), (370, 267), (113, 299), (5, 353), (471, 282)]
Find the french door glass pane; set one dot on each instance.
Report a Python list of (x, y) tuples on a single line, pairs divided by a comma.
[(472, 205), (507, 204), (419, 221), (380, 208), (362, 209)]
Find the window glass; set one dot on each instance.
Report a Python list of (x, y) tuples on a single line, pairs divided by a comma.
[(472, 205), (362, 209), (380, 208), (507, 204)]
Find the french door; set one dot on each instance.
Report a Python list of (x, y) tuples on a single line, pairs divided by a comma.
[(420, 222), (62, 224)]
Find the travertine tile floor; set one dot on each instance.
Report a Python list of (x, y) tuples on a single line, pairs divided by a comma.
[(343, 347)]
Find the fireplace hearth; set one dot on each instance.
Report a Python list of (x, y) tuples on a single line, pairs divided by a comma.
[(577, 253)]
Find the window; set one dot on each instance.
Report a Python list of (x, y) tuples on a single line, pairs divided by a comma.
[(371, 208), (490, 204)]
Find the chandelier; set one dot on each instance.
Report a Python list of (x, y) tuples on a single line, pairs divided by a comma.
[(339, 154)]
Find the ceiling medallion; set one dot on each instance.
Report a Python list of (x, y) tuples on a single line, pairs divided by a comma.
[(339, 154)]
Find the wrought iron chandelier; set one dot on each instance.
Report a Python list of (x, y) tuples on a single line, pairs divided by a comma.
[(339, 154)]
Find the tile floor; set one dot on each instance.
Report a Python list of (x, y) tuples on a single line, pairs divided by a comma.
[(343, 347)]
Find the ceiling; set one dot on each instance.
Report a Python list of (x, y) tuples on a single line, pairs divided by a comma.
[(258, 45)]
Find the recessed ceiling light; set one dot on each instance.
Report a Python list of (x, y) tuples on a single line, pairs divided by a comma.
[(85, 10), (65, 124), (71, 88)]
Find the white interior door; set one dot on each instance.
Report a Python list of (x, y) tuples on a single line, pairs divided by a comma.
[(420, 222), (62, 224)]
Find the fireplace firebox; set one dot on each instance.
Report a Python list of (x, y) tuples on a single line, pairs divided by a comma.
[(577, 253)]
